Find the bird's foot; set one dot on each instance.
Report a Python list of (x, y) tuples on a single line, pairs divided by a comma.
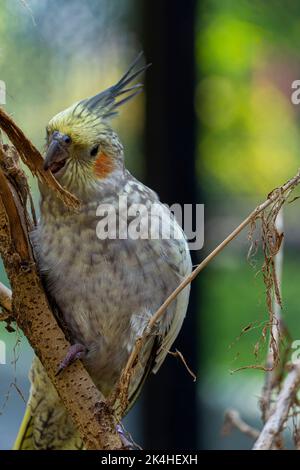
[(76, 351), (126, 438)]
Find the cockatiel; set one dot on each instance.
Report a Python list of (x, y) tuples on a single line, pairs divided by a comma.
[(105, 288)]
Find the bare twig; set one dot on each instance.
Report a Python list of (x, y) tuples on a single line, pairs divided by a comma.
[(177, 353), (27, 7), (276, 422), (233, 419)]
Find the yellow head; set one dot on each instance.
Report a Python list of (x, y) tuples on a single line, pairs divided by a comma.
[(81, 145)]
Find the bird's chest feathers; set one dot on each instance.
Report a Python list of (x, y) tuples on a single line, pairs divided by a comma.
[(94, 282)]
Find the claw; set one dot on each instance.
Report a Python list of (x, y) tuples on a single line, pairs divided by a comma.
[(126, 438), (76, 351)]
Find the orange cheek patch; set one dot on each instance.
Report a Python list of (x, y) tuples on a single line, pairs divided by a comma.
[(103, 165)]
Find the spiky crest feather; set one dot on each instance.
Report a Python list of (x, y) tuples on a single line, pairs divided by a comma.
[(87, 119)]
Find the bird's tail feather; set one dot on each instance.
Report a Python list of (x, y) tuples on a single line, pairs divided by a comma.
[(24, 438), (46, 424)]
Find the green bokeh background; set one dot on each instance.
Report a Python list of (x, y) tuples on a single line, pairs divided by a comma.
[(248, 143)]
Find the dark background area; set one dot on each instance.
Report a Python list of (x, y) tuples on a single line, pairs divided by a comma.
[(169, 149)]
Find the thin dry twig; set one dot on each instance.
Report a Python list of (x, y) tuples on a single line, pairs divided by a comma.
[(27, 7), (178, 354)]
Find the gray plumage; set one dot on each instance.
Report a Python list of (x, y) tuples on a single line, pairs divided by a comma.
[(105, 290)]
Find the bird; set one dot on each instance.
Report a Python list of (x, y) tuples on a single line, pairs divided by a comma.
[(105, 283)]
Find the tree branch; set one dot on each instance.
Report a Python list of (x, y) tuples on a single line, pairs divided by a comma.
[(86, 406), (278, 418), (233, 419), (271, 376)]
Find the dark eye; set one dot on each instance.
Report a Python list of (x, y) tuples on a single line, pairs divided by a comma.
[(94, 151), (67, 139)]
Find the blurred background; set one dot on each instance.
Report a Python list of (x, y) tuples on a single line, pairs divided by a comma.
[(215, 126)]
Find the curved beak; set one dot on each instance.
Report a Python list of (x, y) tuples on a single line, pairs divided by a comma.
[(56, 153)]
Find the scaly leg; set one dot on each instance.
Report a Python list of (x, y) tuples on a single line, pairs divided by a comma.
[(76, 351)]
